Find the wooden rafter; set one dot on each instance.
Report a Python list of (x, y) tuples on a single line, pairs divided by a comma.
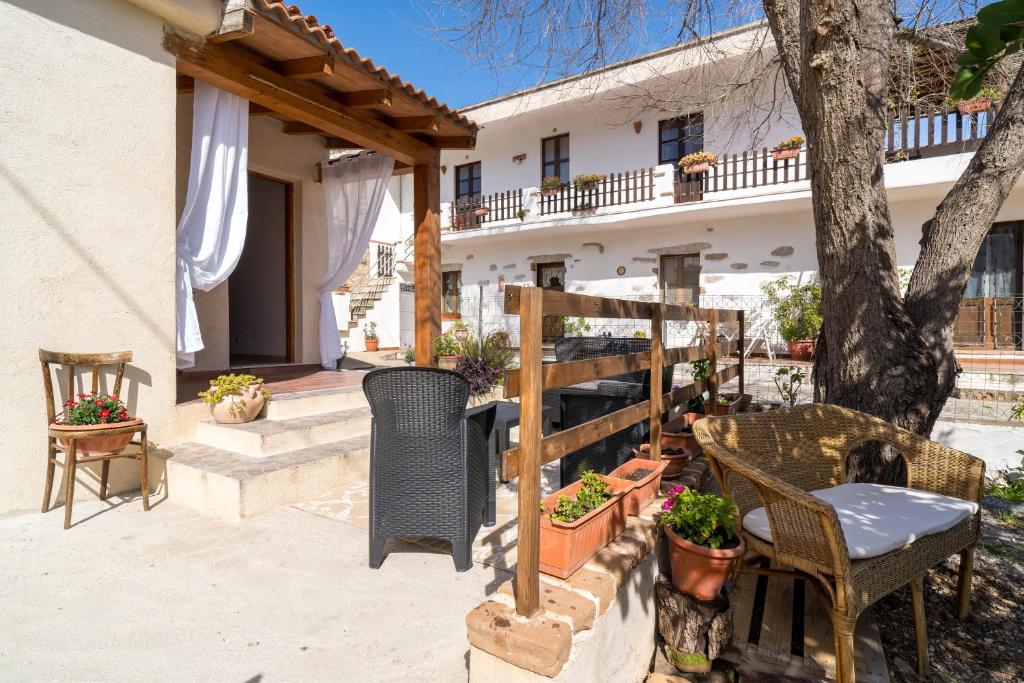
[(235, 72), (417, 123), (305, 67), (299, 128), (454, 142), (366, 98), (186, 84), (331, 142)]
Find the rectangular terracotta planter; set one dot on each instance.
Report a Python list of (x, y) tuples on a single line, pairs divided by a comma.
[(674, 464), (567, 546), (644, 490)]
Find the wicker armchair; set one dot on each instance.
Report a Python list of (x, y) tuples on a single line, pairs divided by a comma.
[(429, 460), (772, 459)]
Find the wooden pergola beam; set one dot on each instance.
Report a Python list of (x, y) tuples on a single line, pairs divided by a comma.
[(300, 128), (454, 142), (417, 123), (331, 142), (235, 24), (259, 110), (235, 72), (426, 200), (305, 67), (186, 84), (366, 98)]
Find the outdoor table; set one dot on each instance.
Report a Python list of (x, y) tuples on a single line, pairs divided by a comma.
[(506, 418)]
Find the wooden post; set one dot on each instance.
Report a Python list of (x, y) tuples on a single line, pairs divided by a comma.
[(657, 363), (741, 343), (427, 269), (712, 353), (527, 583)]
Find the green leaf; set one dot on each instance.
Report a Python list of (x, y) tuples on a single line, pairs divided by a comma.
[(968, 82), (1010, 33), (983, 40), (968, 59), (1002, 13)]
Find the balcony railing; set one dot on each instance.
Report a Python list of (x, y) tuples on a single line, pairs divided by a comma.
[(473, 213), (616, 189)]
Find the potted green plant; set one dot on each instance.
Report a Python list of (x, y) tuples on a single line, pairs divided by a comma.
[(587, 181), (703, 541), (95, 413), (550, 185), (484, 363), (234, 399), (722, 405), (980, 102), (788, 148), (698, 162), (788, 381), (409, 356), (448, 351), (370, 336), (578, 520), (796, 309)]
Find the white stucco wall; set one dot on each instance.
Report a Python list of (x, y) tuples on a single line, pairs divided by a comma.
[(289, 158), (87, 188)]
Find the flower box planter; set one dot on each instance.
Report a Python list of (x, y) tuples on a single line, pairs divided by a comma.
[(801, 349), (697, 570), (783, 154), (696, 168), (97, 445), (645, 488), (481, 211), (977, 105), (737, 403), (567, 546), (448, 362), (675, 463)]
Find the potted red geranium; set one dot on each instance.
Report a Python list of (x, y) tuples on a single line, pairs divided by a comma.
[(93, 413), (703, 541)]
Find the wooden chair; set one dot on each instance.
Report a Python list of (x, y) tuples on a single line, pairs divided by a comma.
[(771, 460), (137, 450)]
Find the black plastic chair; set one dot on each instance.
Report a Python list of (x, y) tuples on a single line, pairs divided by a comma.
[(429, 460)]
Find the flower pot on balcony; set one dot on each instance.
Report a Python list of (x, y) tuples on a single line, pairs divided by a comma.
[(448, 362), (97, 445), (801, 349), (645, 475), (481, 211), (567, 546), (697, 570), (782, 154), (696, 168), (978, 104)]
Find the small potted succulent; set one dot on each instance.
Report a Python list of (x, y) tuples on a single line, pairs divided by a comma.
[(95, 413), (587, 181), (698, 162), (703, 541), (580, 519), (234, 399), (370, 336), (789, 148), (980, 102), (550, 185), (448, 351)]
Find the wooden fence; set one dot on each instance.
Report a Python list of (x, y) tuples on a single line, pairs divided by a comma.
[(616, 189), (467, 214), (533, 378)]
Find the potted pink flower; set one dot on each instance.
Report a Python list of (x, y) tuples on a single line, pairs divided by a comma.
[(96, 413)]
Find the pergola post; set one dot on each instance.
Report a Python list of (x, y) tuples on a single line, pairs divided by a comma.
[(427, 217)]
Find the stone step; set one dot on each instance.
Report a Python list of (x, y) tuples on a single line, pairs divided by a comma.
[(233, 486), (315, 402), (265, 437)]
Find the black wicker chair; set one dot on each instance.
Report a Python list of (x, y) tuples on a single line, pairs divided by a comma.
[(429, 460)]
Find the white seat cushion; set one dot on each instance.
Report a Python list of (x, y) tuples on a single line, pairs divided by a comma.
[(877, 519)]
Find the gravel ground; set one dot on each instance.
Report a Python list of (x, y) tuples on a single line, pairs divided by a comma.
[(989, 646)]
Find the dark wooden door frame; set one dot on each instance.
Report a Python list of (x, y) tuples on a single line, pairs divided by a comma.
[(289, 263)]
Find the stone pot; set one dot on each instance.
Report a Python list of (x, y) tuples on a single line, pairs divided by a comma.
[(234, 409), (372, 344), (780, 154), (801, 349), (97, 445), (697, 570), (567, 546)]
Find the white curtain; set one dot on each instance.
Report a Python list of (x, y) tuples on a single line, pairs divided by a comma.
[(211, 232), (354, 189)]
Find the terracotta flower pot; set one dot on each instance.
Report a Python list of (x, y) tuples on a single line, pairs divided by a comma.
[(372, 344), (974, 106), (567, 546), (482, 211), (97, 445), (781, 154), (683, 439), (696, 168), (674, 464), (716, 409), (233, 410), (691, 417), (645, 489), (697, 570), (448, 362), (801, 349)]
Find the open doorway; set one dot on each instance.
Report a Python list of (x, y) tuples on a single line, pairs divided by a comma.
[(261, 289)]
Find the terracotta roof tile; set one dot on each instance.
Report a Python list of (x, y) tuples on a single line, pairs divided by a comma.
[(324, 34)]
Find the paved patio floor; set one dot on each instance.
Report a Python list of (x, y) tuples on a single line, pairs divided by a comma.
[(172, 595)]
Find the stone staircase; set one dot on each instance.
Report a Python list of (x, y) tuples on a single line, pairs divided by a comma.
[(308, 444)]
